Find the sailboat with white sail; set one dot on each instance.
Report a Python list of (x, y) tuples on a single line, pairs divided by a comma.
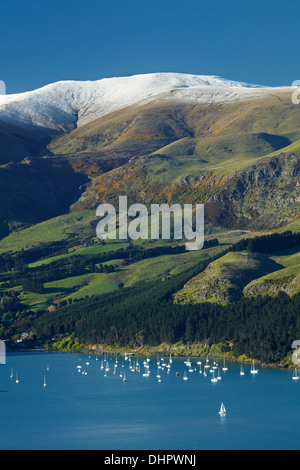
[(222, 411), (214, 379), (253, 370), (224, 368)]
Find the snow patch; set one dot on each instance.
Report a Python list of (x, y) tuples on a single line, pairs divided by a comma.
[(67, 104)]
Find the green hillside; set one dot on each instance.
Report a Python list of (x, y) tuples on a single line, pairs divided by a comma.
[(286, 280), (223, 280)]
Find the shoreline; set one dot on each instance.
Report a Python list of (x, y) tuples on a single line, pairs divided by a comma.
[(176, 351)]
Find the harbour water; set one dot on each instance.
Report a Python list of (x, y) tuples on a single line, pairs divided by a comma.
[(83, 407)]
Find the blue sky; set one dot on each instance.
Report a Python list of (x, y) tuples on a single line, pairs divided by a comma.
[(43, 41)]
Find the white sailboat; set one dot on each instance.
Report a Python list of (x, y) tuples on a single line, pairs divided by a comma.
[(222, 411), (242, 371), (214, 379), (184, 376), (295, 374), (253, 370), (45, 383), (224, 368)]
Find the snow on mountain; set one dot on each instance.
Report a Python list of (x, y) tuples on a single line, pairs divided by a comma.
[(68, 104)]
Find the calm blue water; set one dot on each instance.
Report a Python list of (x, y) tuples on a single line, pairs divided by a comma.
[(78, 411)]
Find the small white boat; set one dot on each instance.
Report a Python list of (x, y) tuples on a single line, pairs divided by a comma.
[(224, 368), (253, 370), (242, 371), (214, 379), (184, 376), (295, 374), (222, 411), (45, 383), (17, 380)]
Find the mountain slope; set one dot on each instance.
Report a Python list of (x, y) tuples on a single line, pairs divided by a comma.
[(156, 138), (70, 103), (241, 159)]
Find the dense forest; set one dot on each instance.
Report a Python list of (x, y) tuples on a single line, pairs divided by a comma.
[(263, 328)]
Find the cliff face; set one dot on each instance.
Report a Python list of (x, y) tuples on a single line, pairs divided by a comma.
[(266, 193), (263, 195)]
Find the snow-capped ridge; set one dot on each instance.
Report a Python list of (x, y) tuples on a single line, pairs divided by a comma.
[(70, 103)]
